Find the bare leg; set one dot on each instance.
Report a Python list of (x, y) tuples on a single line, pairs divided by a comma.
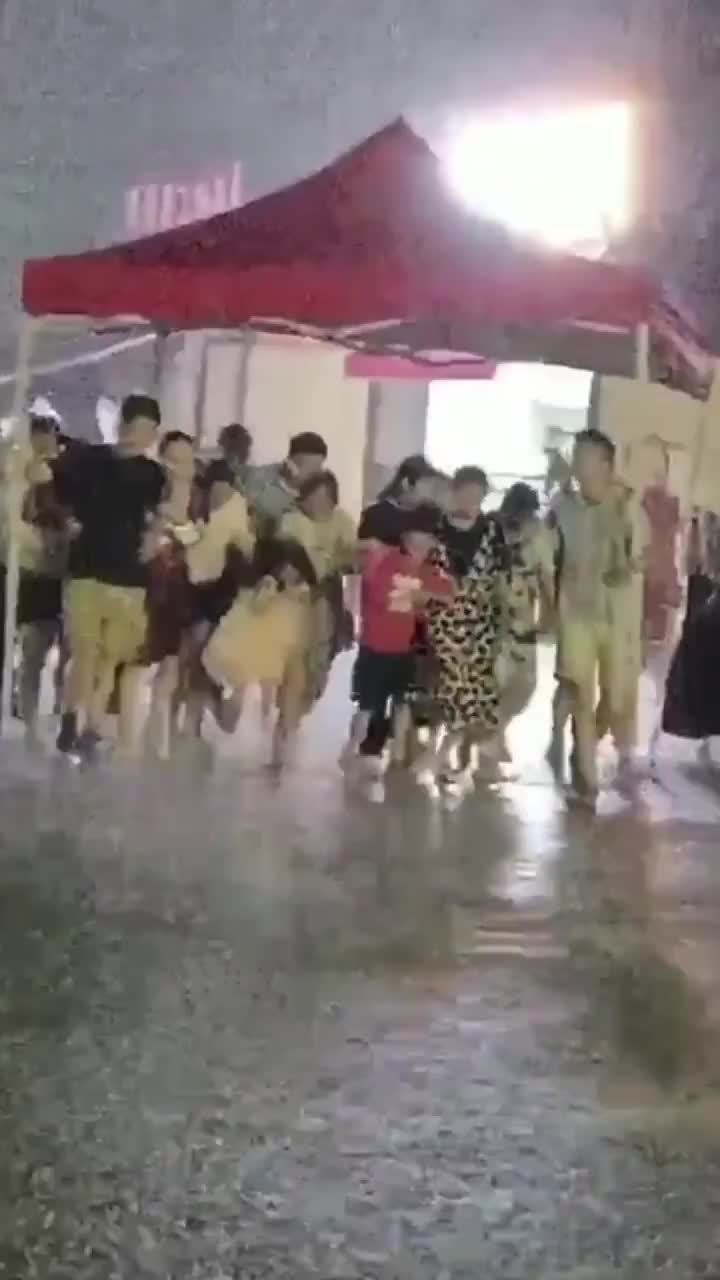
[(63, 657), (427, 764), (401, 731), (451, 751), (291, 701), (129, 724), (81, 679), (106, 672), (268, 694), (359, 726), (37, 641), (196, 682), (160, 718), (563, 700), (227, 711)]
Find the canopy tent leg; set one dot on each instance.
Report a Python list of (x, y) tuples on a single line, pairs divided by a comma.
[(642, 353), (243, 385), (160, 348), (27, 336), (372, 427)]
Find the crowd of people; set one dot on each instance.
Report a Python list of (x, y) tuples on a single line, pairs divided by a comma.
[(144, 566)]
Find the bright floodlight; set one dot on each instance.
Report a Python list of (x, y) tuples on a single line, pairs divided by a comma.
[(562, 177)]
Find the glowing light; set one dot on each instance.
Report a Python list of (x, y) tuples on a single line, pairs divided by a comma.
[(561, 177)]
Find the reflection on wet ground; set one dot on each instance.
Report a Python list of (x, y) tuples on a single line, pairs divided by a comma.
[(256, 1027)]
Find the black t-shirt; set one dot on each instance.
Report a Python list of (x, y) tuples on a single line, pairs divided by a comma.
[(383, 521), (112, 499)]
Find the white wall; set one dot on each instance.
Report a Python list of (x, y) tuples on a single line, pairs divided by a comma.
[(633, 414), (279, 386), (290, 385), (495, 424)]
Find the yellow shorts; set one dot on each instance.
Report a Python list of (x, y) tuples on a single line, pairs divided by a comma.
[(106, 620), (590, 657)]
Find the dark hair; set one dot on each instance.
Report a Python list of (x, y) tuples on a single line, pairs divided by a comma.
[(235, 438), (308, 442), (323, 480), (519, 503), (140, 406), (470, 475), (272, 555), (175, 437), (41, 424), (598, 440), (216, 472), (425, 518), (407, 476)]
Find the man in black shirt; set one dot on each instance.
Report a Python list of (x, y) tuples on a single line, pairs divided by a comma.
[(111, 493)]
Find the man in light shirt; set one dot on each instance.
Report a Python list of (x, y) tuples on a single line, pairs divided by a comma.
[(595, 544)]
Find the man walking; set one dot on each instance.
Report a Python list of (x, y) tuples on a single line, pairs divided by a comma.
[(594, 547), (111, 493)]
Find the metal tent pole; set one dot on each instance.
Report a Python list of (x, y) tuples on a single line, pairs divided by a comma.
[(642, 353)]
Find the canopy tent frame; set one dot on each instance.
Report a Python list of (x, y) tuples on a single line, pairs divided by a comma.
[(30, 331)]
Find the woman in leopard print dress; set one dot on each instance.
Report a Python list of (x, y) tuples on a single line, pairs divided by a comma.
[(465, 633)]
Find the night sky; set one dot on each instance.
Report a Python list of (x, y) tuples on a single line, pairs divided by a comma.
[(97, 94)]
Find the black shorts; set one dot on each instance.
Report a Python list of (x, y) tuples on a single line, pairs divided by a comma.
[(381, 678), (39, 597)]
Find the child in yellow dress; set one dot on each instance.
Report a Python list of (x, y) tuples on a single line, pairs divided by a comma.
[(263, 640)]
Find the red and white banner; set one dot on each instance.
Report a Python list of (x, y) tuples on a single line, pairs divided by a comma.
[(160, 206)]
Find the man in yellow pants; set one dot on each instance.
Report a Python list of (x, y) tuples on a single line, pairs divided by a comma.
[(111, 492), (594, 547)]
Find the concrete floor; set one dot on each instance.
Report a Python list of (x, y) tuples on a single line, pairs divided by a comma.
[(256, 1027)]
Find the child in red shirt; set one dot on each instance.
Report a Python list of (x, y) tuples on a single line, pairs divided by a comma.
[(396, 585)]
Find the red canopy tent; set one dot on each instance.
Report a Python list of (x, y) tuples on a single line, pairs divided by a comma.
[(373, 252)]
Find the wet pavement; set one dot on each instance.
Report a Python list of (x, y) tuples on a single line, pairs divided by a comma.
[(255, 1028)]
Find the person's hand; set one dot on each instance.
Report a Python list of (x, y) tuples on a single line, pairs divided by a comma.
[(38, 472), (617, 577), (154, 539)]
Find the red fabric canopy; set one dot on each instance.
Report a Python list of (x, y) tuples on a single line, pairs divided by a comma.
[(374, 251), (374, 236)]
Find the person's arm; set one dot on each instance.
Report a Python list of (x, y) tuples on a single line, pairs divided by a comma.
[(346, 545), (69, 474), (290, 526), (377, 574), (641, 541)]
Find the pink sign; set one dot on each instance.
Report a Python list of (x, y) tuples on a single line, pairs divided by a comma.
[(399, 369), (160, 206)]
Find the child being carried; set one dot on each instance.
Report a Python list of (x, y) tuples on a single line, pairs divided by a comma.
[(263, 639)]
